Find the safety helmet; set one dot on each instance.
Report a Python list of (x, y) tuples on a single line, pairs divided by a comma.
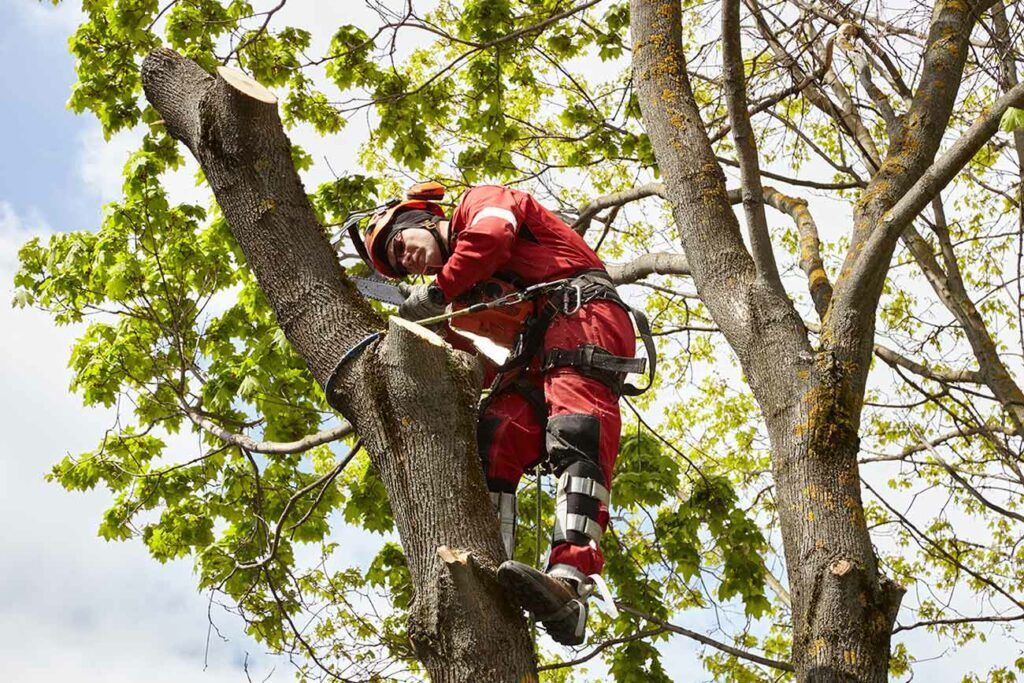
[(384, 225)]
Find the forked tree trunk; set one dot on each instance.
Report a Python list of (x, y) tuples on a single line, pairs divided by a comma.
[(842, 609), (409, 396)]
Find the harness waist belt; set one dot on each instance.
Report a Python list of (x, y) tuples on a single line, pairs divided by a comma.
[(594, 357)]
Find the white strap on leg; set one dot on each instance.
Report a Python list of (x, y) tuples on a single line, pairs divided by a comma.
[(607, 600), (587, 586), (581, 620)]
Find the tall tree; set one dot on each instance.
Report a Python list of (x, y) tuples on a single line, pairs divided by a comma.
[(239, 321)]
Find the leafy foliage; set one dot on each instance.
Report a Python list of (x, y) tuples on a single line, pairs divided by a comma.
[(177, 336)]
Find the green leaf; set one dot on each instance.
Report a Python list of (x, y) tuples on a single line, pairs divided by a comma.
[(1013, 119)]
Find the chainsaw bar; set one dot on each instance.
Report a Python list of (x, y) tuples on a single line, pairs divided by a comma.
[(379, 290)]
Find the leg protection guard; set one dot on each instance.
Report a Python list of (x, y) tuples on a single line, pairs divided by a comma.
[(579, 494), (507, 507), (573, 443)]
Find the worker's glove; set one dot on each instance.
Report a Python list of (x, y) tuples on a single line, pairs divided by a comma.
[(422, 301)]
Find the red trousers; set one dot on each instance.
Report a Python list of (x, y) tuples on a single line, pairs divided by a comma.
[(577, 427)]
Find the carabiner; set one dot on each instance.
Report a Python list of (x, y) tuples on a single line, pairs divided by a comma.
[(566, 308)]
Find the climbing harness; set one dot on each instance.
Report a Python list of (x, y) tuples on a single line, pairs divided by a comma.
[(567, 297)]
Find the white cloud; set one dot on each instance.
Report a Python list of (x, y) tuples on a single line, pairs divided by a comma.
[(15, 230), (101, 162), (44, 17), (73, 607)]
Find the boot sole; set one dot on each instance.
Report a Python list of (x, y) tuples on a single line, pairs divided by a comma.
[(534, 597)]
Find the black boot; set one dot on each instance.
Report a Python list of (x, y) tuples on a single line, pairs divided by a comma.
[(555, 601)]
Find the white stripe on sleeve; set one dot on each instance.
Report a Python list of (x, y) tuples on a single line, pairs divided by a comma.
[(494, 212)]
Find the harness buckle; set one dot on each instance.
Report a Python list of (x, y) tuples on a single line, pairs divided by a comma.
[(568, 309)]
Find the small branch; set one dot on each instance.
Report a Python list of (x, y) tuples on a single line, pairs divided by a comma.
[(794, 89), (324, 481), (778, 589), (587, 213), (798, 182), (893, 358), (938, 440), (945, 376), (923, 539), (256, 36), (963, 482), (728, 649), (269, 447), (604, 645), (962, 620)]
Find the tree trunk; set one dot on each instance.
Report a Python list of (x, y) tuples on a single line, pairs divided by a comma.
[(842, 610), (410, 397)]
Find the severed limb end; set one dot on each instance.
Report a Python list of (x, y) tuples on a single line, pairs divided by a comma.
[(246, 85), (463, 570), (452, 556), (419, 331)]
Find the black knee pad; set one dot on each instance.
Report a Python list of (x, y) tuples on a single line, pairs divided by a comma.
[(573, 438)]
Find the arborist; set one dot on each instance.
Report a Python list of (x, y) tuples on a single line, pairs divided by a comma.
[(557, 397)]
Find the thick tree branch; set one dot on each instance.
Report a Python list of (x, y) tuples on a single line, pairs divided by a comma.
[(949, 287), (944, 169), (810, 244), (851, 115), (851, 320), (735, 88), (752, 315), (657, 263), (410, 398)]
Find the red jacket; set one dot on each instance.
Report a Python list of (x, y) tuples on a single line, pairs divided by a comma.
[(499, 230)]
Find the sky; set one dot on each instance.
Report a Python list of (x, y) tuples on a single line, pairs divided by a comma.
[(72, 606)]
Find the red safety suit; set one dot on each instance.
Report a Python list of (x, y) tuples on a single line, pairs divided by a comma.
[(562, 414)]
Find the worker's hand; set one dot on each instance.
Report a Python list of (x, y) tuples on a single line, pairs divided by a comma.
[(423, 301)]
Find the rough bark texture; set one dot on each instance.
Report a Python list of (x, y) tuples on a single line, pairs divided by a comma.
[(410, 397), (842, 609)]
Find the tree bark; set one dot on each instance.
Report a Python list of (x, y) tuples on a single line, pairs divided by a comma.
[(409, 396), (842, 609)]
